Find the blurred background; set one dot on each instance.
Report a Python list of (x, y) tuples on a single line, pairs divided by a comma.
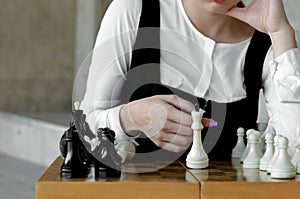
[(42, 45)]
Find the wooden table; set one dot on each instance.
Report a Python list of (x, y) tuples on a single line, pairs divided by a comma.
[(220, 180)]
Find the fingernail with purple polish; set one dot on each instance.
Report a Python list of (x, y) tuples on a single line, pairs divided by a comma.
[(213, 123)]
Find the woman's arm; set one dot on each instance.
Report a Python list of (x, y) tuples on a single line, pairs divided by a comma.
[(166, 120), (281, 75), (110, 61), (268, 16)]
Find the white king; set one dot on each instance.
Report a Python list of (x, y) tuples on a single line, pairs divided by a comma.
[(197, 158)]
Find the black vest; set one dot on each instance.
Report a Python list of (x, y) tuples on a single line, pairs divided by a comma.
[(218, 141)]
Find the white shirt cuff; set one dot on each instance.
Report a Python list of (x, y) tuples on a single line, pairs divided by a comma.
[(114, 124)]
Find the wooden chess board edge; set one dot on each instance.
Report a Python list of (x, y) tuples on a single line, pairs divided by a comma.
[(50, 185), (54, 166), (249, 190), (132, 190)]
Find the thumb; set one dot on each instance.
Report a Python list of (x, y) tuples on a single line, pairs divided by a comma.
[(237, 12)]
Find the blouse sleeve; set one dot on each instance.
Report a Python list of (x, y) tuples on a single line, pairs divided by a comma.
[(281, 83), (109, 63), (285, 73)]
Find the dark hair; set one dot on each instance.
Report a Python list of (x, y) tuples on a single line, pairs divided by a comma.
[(240, 4)]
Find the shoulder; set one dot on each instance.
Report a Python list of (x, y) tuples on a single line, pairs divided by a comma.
[(121, 16), (125, 6), (123, 12)]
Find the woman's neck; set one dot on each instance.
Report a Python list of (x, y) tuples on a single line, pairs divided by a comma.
[(218, 27)]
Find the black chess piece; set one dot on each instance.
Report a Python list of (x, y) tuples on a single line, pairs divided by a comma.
[(78, 150), (108, 162), (76, 158)]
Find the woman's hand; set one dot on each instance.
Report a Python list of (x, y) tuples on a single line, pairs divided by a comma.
[(268, 16), (165, 119), (264, 15)]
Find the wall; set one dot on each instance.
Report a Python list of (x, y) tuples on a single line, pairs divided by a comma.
[(36, 54), (31, 140), (44, 42), (292, 9), (88, 19)]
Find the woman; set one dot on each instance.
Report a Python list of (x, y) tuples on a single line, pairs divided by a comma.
[(203, 45)]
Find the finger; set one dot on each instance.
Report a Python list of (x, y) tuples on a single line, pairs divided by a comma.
[(173, 147), (175, 139), (236, 12), (206, 122), (178, 102), (177, 128), (178, 116)]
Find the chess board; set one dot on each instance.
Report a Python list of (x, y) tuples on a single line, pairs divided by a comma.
[(219, 180), (229, 180), (160, 182)]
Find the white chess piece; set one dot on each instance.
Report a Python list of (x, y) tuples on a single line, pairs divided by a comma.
[(77, 105), (245, 152), (283, 167), (275, 155), (259, 151), (252, 159), (197, 158), (126, 150), (264, 161), (296, 156), (298, 167), (240, 145), (263, 128)]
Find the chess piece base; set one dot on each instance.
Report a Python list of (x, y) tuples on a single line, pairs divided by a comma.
[(263, 166), (298, 168), (236, 154), (68, 172), (197, 164), (283, 174), (251, 164)]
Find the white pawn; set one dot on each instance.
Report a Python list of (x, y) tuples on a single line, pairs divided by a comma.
[(252, 159), (259, 151), (197, 158), (296, 156), (240, 145), (275, 155), (264, 161), (126, 150), (298, 166), (246, 151), (283, 167)]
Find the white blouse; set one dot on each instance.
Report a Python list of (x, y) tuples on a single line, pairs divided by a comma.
[(190, 62)]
